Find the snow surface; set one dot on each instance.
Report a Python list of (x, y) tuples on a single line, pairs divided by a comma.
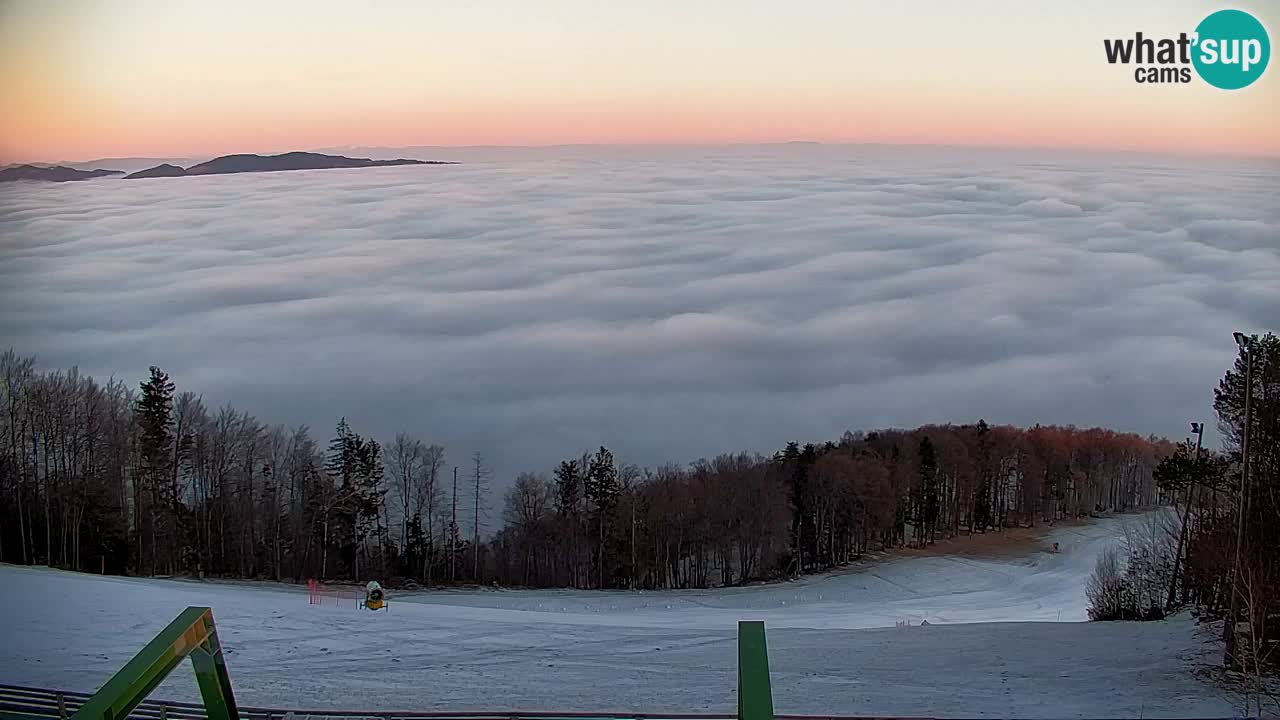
[(993, 647)]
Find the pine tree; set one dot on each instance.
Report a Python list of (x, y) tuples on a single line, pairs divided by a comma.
[(345, 495), (602, 486), (154, 413), (341, 461), (928, 506), (789, 458), (982, 498), (154, 410), (568, 487), (568, 502), (602, 490), (369, 495)]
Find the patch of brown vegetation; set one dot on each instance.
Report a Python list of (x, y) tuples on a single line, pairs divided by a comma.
[(1008, 542)]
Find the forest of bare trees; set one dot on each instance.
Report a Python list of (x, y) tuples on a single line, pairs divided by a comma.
[(741, 518), (148, 480), (105, 478)]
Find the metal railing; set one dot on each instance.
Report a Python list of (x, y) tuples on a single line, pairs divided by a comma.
[(17, 701)]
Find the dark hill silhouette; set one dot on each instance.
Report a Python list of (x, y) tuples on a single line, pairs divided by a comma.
[(55, 173), (246, 163), (162, 170)]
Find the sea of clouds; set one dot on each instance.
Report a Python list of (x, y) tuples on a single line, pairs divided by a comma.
[(669, 303)]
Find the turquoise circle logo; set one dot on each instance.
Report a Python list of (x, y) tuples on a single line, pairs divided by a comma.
[(1232, 49)]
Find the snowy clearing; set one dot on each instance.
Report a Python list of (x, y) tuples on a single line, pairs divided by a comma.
[(993, 647)]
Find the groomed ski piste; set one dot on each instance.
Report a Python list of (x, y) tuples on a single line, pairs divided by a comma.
[(1005, 637)]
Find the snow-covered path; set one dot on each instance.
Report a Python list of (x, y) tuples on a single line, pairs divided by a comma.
[(833, 643)]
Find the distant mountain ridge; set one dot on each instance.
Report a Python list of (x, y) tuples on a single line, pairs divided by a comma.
[(53, 173), (248, 163), (129, 164), (161, 170)]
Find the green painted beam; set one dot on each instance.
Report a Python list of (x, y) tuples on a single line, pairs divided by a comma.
[(192, 634), (755, 695)]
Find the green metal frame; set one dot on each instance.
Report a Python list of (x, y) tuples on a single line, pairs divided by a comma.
[(755, 695), (191, 634)]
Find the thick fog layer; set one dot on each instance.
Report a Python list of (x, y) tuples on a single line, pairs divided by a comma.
[(670, 304)]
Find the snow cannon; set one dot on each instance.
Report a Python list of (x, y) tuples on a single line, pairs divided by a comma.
[(374, 597)]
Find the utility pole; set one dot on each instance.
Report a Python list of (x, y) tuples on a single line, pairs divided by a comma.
[(453, 531), (1242, 502)]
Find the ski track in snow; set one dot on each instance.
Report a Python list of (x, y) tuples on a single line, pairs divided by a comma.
[(992, 648)]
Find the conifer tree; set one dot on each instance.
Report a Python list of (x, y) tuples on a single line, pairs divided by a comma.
[(154, 414)]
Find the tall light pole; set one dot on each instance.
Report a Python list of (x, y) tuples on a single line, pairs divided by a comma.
[(1242, 502)]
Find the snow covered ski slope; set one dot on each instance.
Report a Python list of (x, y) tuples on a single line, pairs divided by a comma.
[(993, 646)]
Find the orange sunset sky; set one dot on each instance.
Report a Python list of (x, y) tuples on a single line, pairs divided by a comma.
[(84, 79)]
